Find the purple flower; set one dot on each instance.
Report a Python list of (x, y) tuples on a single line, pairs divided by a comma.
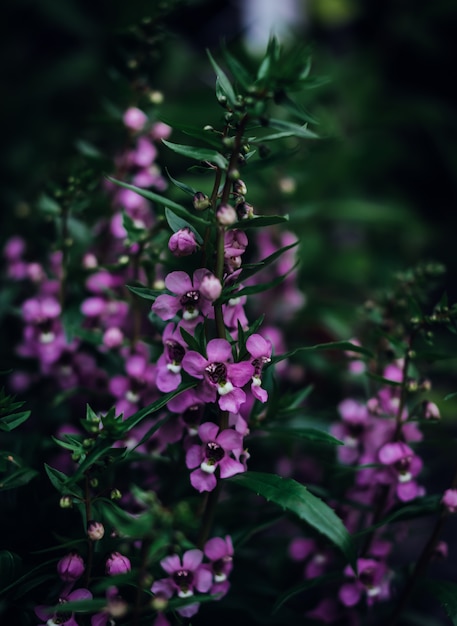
[(134, 119), (62, 617), (184, 578), (220, 554), (449, 500), (404, 465), (260, 349), (187, 298), (372, 581), (168, 372), (212, 454), (220, 374)]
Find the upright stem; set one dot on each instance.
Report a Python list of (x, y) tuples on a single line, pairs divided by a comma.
[(64, 247), (90, 545), (422, 562)]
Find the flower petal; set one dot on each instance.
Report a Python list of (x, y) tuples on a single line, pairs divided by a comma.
[(219, 351), (240, 373), (166, 306), (203, 579), (229, 467), (171, 564), (229, 439), (258, 346), (208, 431), (201, 481), (194, 363), (192, 559), (215, 549), (232, 401), (194, 456), (178, 282)]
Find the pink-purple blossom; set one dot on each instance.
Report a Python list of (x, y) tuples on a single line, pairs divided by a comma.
[(216, 451)]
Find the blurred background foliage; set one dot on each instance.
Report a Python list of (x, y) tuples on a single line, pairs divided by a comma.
[(375, 194)]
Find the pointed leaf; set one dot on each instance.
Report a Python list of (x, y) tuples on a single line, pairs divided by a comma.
[(311, 434), (144, 292), (260, 221), (199, 154), (180, 185), (294, 129), (155, 197), (294, 497), (177, 223), (224, 82), (304, 586), (239, 72), (347, 346)]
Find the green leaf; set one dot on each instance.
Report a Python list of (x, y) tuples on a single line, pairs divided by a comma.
[(155, 197), (208, 136), (145, 292), (311, 434), (10, 422), (177, 223), (10, 567), (347, 346), (189, 190), (417, 508), (82, 606), (304, 586), (20, 477), (253, 289), (199, 154), (239, 72), (294, 129), (450, 395), (61, 482), (224, 82), (446, 594), (294, 497), (260, 222), (252, 269)]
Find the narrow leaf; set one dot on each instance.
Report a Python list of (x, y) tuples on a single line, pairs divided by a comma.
[(251, 270), (294, 497), (304, 586), (155, 197), (312, 434), (199, 154), (180, 185), (224, 82), (144, 292), (261, 221), (347, 346), (294, 129), (177, 223)]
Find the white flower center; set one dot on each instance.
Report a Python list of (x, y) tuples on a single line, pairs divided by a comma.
[(234, 301), (404, 477), (132, 396), (209, 468), (256, 381), (219, 578), (224, 388), (173, 367), (373, 591), (190, 315), (47, 337), (185, 594)]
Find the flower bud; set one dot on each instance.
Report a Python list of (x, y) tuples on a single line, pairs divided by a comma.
[(134, 119), (449, 500), (113, 337), (244, 210), (201, 201), (70, 567), (182, 242), (66, 502), (239, 187), (117, 564), (210, 287), (226, 215), (115, 494), (431, 411), (95, 530)]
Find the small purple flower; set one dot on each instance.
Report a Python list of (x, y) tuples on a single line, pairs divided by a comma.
[(449, 500), (187, 298), (220, 554), (404, 465), (183, 242), (220, 374), (210, 287), (117, 563), (168, 372), (212, 454), (184, 578), (62, 617), (371, 580), (70, 567), (260, 349)]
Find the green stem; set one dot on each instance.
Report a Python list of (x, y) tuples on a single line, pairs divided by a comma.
[(90, 545)]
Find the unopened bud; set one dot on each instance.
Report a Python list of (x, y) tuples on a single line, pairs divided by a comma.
[(183, 242), (95, 530), (245, 211), (113, 337), (449, 500), (117, 563), (66, 502), (431, 411), (239, 187), (115, 494), (210, 287), (233, 174), (226, 215), (159, 603), (201, 201), (70, 567)]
